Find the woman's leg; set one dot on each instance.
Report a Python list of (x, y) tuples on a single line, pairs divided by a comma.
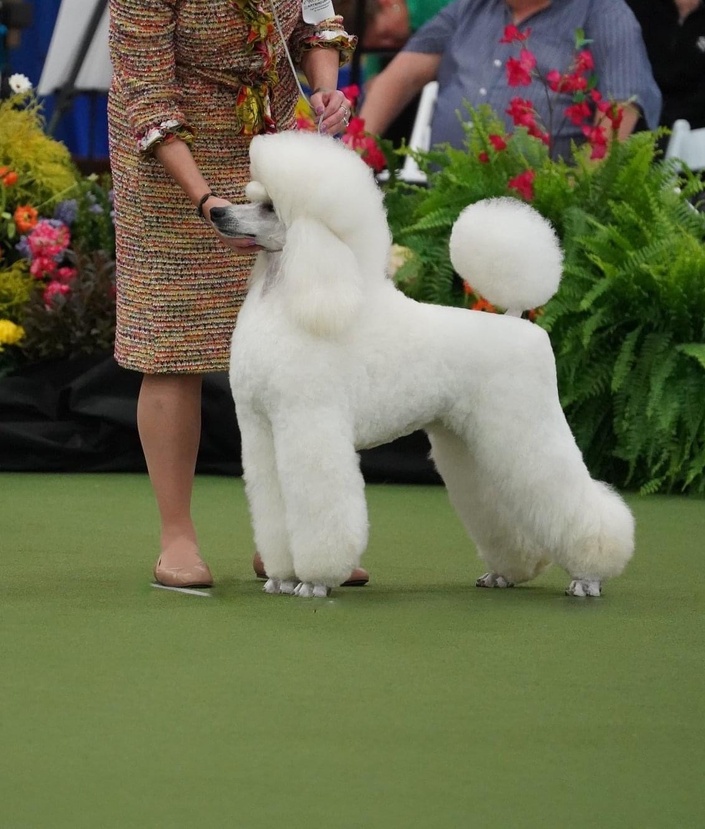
[(169, 423)]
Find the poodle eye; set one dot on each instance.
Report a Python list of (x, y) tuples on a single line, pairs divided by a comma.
[(268, 206)]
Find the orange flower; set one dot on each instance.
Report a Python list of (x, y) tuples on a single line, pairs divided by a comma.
[(25, 217), (10, 178), (483, 305)]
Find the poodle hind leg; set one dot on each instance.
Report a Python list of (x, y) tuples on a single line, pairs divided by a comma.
[(607, 543), (324, 495), (474, 495), (265, 502)]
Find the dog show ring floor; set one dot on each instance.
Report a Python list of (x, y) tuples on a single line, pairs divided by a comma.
[(416, 702)]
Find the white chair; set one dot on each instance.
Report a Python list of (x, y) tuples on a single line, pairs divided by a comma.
[(687, 145), (420, 138)]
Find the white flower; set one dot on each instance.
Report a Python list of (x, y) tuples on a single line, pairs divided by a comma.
[(398, 256), (19, 83)]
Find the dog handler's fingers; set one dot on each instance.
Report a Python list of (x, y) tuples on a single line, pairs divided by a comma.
[(331, 107), (339, 120), (242, 246)]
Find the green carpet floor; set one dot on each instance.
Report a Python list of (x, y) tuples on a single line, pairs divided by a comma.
[(418, 701)]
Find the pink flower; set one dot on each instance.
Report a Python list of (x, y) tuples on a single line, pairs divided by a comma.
[(53, 289), (47, 239), (65, 274), (42, 266), (524, 184)]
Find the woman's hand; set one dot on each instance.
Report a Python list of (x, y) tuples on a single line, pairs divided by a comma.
[(242, 245), (333, 109)]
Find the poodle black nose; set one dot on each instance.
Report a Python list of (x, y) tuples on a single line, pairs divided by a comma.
[(217, 213)]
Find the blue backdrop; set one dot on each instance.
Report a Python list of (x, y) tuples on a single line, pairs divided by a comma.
[(84, 126)]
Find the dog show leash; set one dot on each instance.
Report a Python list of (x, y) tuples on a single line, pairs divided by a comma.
[(314, 8)]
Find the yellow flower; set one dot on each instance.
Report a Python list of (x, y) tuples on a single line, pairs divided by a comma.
[(10, 333)]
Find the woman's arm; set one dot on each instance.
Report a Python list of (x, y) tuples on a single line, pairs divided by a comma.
[(176, 158), (320, 66)]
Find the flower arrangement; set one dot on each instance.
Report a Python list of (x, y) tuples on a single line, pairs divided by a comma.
[(628, 322), (579, 81), (57, 289)]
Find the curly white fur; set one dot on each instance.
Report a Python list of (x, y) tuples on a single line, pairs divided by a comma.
[(329, 357)]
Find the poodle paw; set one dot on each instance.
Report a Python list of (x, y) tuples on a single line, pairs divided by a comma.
[(493, 580), (584, 587), (311, 591), (276, 586)]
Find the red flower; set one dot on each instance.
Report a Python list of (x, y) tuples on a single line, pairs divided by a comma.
[(352, 93), (356, 129), (613, 111), (483, 158), (519, 69), (498, 142), (364, 145), (578, 113), (597, 137), (537, 132), (573, 82), (514, 35), (584, 61), (553, 79), (524, 184), (522, 113)]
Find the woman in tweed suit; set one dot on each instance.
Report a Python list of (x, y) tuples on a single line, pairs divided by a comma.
[(193, 81)]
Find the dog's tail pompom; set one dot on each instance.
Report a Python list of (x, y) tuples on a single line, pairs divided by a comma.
[(507, 252)]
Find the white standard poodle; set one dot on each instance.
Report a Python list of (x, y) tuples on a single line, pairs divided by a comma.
[(329, 358)]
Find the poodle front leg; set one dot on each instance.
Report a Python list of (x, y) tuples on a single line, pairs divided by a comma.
[(324, 497), (265, 502)]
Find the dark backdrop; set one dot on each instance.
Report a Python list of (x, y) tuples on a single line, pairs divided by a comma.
[(80, 415)]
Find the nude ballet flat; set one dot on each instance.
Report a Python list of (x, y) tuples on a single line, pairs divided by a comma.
[(358, 577), (196, 575)]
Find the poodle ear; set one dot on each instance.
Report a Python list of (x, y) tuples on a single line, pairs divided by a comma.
[(321, 284)]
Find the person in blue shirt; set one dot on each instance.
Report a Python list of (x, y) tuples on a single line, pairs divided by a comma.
[(460, 48)]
